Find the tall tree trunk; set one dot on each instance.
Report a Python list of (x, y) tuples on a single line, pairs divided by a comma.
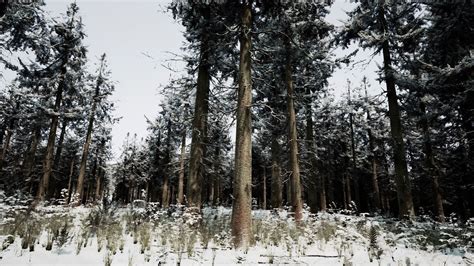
[(402, 180), (100, 170), (242, 185), (180, 198), (322, 193), (69, 183), (31, 154), (90, 127), (199, 125), (164, 193), (48, 159), (277, 184), (348, 190), (296, 200), (372, 157), (53, 183), (354, 177), (431, 165), (165, 203), (311, 150), (59, 146)]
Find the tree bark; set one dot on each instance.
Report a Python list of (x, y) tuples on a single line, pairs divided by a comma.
[(296, 200), (199, 125), (180, 198), (402, 180), (242, 185)]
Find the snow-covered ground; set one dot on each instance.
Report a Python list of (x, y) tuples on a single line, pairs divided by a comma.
[(57, 235)]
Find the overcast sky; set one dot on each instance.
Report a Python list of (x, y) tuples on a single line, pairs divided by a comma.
[(139, 37)]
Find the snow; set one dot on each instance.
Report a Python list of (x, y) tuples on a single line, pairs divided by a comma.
[(180, 236)]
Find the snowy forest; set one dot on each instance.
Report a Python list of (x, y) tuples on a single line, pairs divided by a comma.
[(251, 158)]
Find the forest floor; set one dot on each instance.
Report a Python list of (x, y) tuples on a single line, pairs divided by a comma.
[(57, 235)]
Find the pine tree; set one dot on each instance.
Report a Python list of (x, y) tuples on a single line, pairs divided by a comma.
[(102, 89), (373, 23), (70, 54)]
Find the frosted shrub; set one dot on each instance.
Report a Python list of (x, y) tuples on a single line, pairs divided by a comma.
[(57, 227), (145, 237)]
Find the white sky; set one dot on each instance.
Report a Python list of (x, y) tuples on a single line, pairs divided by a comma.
[(137, 36)]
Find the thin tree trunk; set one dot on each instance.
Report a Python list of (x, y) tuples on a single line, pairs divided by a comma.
[(322, 194), (348, 190), (354, 177), (31, 154), (311, 150), (277, 184), (344, 193), (180, 198), (199, 125), (90, 127), (69, 183), (53, 184), (431, 164), (164, 193), (242, 185), (402, 180), (59, 146), (98, 181), (373, 158), (296, 199)]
